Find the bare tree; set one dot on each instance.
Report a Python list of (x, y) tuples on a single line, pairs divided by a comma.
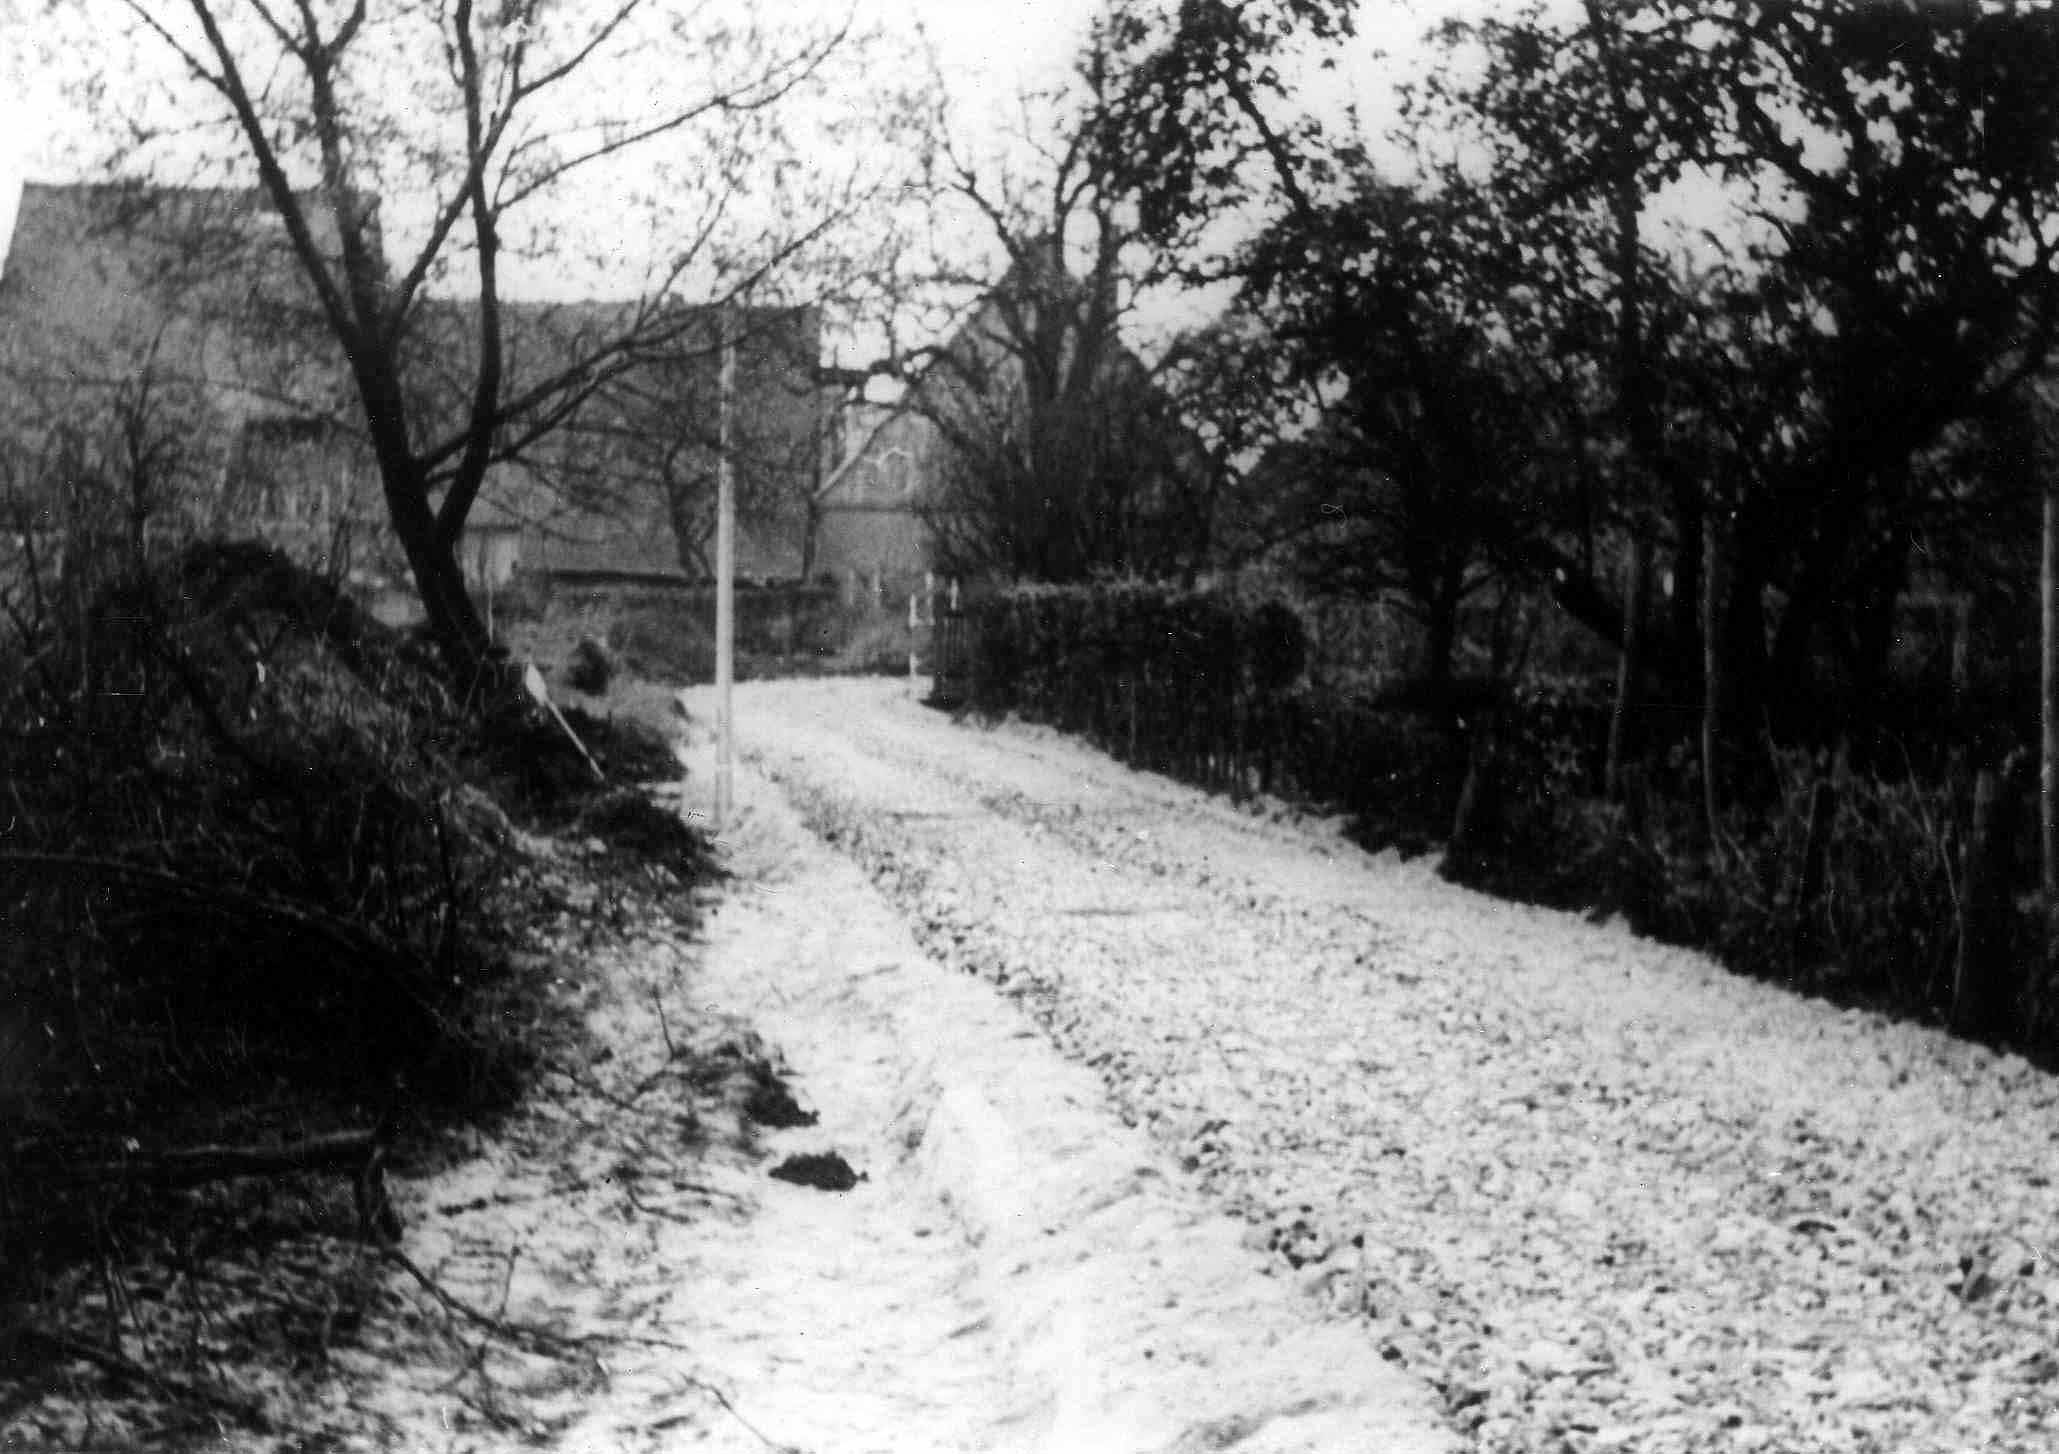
[(499, 128), (1063, 454)]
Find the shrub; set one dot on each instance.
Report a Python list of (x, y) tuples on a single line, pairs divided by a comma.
[(1209, 688), (236, 839), (1205, 687), (591, 668), (1882, 929)]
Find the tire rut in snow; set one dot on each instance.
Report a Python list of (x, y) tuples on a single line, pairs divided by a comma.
[(1130, 1318)]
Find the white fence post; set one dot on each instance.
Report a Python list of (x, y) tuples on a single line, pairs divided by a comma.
[(914, 623)]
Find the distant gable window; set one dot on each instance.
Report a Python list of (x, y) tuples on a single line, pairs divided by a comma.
[(897, 474), (291, 469)]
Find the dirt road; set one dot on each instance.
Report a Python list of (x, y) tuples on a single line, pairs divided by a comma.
[(1596, 1192), (1017, 1271), (1184, 1128)]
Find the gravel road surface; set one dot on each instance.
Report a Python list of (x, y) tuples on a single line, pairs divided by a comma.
[(1597, 1193)]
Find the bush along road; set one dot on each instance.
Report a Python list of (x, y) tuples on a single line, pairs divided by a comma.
[(1594, 1192)]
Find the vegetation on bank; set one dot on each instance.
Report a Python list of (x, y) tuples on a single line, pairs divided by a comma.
[(269, 895), (1829, 872)]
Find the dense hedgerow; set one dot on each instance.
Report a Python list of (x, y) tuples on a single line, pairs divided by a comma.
[(1208, 688), (1211, 689)]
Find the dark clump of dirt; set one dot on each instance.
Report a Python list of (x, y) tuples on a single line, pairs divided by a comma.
[(627, 821), (821, 1170), (740, 1072), (771, 1104), (591, 668)]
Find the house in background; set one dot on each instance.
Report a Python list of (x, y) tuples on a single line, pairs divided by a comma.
[(969, 471), (167, 335), (868, 522), (624, 481), (188, 306)]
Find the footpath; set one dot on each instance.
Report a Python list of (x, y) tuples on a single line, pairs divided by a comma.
[(1596, 1192), (1014, 1269)]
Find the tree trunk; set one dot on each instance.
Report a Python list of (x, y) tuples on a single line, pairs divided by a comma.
[(1713, 686), (1440, 641), (1984, 988), (460, 631), (1477, 820), (1962, 639), (1809, 879), (1874, 605), (1689, 527), (358, 1154), (1746, 706), (1630, 670), (2048, 702)]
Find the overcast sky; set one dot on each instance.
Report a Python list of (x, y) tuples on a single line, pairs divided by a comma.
[(989, 50)]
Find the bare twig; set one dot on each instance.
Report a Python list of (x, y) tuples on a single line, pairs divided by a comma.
[(560, 1345), (591, 1086), (525, 1335), (664, 1029), (120, 1365), (192, 1166)]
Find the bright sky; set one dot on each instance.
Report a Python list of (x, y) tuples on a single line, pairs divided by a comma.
[(989, 50)]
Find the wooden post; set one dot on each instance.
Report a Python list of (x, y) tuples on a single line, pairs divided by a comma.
[(1713, 583), (1630, 670), (2048, 699), (725, 580), (1479, 799), (1809, 881), (1962, 652), (1983, 985)]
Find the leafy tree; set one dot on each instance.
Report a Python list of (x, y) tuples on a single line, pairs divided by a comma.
[(1205, 98), (1231, 387), (1584, 119), (1894, 280), (1914, 287), (1419, 478)]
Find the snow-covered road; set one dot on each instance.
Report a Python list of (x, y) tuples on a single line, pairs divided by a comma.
[(1598, 1192)]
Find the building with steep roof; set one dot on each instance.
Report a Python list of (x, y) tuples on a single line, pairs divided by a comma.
[(184, 313), (164, 340), (960, 472), (625, 479)]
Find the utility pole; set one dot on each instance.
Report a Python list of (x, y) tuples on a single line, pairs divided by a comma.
[(725, 579)]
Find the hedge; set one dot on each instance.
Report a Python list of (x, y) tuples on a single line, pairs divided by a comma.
[(1211, 689), (1206, 688)]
